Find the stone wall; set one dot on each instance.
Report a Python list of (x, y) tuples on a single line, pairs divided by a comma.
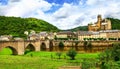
[(96, 45)]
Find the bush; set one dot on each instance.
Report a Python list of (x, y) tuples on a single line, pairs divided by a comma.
[(110, 57), (59, 54), (72, 53), (87, 64), (116, 51)]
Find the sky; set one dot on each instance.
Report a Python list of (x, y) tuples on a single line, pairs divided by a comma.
[(64, 14)]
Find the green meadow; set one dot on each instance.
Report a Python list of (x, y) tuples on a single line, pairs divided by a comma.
[(41, 60)]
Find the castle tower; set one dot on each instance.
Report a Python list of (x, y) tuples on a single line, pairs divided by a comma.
[(99, 19), (109, 25)]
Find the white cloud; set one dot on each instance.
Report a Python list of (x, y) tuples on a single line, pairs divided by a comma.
[(21, 8), (66, 17)]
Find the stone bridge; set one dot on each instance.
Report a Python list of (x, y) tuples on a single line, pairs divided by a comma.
[(19, 47)]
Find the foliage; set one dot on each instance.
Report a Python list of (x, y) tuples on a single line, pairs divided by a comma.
[(16, 26), (87, 64), (61, 46), (27, 51), (72, 53), (112, 38), (105, 56), (115, 23), (59, 54), (94, 39), (83, 28), (110, 58), (116, 51)]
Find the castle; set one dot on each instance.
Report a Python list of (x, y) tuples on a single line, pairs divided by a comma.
[(101, 24)]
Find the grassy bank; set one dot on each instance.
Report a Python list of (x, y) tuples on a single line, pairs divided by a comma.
[(42, 60)]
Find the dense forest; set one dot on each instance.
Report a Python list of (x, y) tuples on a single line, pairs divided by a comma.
[(115, 25), (16, 26)]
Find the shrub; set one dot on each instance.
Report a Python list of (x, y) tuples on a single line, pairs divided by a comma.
[(59, 54), (116, 51), (86, 64), (72, 53)]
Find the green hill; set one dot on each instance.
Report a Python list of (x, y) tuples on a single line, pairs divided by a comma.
[(83, 28), (16, 26), (115, 25)]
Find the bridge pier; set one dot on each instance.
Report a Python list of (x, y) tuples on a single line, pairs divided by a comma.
[(21, 48), (37, 46)]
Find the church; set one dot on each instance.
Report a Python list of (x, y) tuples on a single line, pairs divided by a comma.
[(101, 24)]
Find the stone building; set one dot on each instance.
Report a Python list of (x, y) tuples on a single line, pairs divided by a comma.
[(66, 34), (103, 34), (33, 37), (101, 24), (6, 37)]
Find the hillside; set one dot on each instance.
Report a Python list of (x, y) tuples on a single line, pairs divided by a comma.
[(16, 26), (83, 28), (115, 25)]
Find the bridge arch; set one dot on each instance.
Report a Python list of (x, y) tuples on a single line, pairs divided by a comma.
[(14, 51), (43, 47), (29, 48)]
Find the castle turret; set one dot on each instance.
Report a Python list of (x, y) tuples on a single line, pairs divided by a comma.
[(99, 21), (109, 25)]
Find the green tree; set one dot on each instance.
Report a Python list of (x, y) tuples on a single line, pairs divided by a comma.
[(116, 51), (72, 53), (110, 57)]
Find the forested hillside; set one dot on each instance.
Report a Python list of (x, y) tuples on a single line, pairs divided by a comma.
[(83, 28), (115, 23), (16, 26)]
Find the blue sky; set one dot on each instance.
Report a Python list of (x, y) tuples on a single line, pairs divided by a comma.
[(63, 1), (64, 14), (3, 2)]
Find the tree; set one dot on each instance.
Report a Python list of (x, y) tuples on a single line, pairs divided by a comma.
[(110, 57), (61, 46), (72, 53), (116, 51)]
